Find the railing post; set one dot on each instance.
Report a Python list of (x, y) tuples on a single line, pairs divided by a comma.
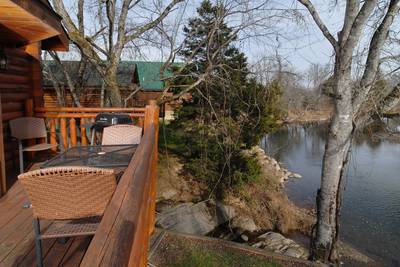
[(152, 117), (29, 112)]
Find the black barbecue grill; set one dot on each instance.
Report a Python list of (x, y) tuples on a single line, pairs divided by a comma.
[(104, 120)]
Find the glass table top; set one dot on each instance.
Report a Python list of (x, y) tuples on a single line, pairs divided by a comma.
[(107, 156)]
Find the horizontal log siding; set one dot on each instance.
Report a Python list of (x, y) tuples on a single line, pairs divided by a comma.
[(15, 89), (92, 97)]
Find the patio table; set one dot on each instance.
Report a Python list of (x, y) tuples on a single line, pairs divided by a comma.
[(106, 156)]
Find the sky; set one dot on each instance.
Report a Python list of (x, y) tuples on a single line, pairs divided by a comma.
[(302, 44)]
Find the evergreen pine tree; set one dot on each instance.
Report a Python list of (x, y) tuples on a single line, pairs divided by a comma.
[(228, 112)]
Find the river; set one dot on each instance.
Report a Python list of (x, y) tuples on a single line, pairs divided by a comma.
[(370, 218)]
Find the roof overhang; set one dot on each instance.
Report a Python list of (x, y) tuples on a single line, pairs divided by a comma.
[(23, 22)]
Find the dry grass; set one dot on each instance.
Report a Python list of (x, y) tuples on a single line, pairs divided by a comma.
[(303, 116), (268, 204)]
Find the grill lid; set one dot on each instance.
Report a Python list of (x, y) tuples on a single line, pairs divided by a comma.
[(103, 120)]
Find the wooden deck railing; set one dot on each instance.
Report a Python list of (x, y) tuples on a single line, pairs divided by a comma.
[(123, 235), (73, 122)]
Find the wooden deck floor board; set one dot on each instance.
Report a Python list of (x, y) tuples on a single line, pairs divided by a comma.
[(23, 247), (17, 247), (29, 260), (57, 252), (22, 217), (13, 239), (76, 252), (11, 209)]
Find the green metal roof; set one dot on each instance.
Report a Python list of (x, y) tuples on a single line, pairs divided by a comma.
[(149, 75)]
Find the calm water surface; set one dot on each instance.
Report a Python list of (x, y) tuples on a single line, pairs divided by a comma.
[(371, 209)]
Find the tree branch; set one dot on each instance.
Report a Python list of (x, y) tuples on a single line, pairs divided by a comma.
[(71, 84), (372, 64), (356, 28), (352, 7), (153, 23), (321, 25), (76, 37)]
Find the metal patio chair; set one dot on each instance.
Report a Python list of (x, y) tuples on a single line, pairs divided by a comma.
[(122, 134), (29, 128), (74, 198)]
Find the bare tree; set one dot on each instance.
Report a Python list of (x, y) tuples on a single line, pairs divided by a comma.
[(348, 100), (72, 85), (118, 23), (250, 20)]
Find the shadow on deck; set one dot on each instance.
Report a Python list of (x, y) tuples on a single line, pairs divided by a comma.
[(17, 237)]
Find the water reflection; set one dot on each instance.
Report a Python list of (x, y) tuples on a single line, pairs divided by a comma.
[(371, 210)]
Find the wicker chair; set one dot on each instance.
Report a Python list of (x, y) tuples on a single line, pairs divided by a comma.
[(122, 134), (29, 128), (74, 198)]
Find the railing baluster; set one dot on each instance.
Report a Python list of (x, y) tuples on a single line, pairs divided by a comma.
[(53, 134), (84, 141), (59, 116), (64, 132), (72, 132)]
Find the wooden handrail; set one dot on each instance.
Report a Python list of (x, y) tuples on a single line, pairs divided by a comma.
[(79, 115), (78, 120), (88, 110), (123, 235)]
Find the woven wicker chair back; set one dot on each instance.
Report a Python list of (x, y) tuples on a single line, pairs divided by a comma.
[(65, 193), (28, 128), (121, 134)]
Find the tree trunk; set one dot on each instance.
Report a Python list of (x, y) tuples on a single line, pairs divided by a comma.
[(111, 80), (334, 168), (102, 94)]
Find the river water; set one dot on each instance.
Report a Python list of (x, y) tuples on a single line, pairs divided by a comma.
[(370, 218)]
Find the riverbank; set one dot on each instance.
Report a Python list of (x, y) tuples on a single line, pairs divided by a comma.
[(248, 213), (322, 114)]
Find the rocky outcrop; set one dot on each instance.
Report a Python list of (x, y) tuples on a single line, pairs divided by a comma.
[(279, 244), (197, 219), (243, 224), (269, 164)]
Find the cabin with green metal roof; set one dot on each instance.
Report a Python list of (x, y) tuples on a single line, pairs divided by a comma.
[(131, 75)]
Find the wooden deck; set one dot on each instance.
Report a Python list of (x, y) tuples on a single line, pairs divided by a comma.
[(17, 238), (123, 236)]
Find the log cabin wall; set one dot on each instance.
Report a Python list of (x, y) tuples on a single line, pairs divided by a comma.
[(92, 97), (17, 85), (26, 27)]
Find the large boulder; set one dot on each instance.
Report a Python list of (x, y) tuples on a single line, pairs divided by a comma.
[(278, 243), (197, 219), (244, 224)]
